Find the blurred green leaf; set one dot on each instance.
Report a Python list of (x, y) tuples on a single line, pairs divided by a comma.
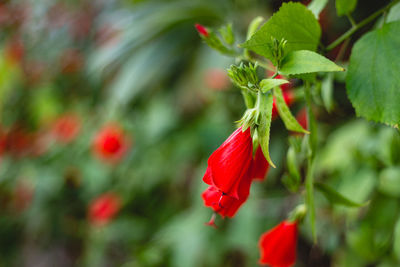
[(316, 6), (394, 13), (389, 181), (335, 197), (344, 7), (327, 92), (396, 241)]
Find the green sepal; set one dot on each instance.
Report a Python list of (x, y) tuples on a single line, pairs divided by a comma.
[(227, 34), (335, 197), (264, 125), (284, 112), (268, 84), (244, 76), (213, 41)]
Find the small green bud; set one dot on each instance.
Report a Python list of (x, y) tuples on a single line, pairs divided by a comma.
[(278, 50), (244, 76)]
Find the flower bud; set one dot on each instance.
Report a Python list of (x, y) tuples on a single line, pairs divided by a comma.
[(244, 76), (202, 30)]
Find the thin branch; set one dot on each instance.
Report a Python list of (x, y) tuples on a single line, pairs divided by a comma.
[(360, 25)]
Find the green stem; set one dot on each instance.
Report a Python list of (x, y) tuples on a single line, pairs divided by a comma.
[(360, 25), (352, 21), (312, 139)]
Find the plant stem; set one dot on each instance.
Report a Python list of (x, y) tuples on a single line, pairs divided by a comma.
[(312, 139), (360, 25), (352, 21)]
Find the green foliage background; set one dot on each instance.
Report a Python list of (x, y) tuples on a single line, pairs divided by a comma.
[(142, 64)]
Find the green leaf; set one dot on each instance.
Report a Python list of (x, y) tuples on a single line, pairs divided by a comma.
[(327, 92), (373, 81), (396, 241), (284, 112), (344, 7), (316, 6), (335, 197), (268, 84), (263, 129), (227, 34), (304, 61), (394, 13), (294, 23), (292, 180), (253, 26), (389, 181)]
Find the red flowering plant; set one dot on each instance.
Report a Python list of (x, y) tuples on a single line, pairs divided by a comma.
[(278, 245), (66, 127), (110, 143), (104, 208), (244, 156)]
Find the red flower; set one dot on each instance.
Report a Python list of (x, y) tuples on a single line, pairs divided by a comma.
[(110, 143), (202, 30), (104, 208), (216, 79), (23, 194), (260, 166), (230, 163), (285, 86), (66, 128), (302, 118), (222, 203), (278, 245)]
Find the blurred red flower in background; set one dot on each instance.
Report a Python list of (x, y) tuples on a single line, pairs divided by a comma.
[(14, 50), (278, 245), (216, 79), (66, 127), (110, 143), (71, 61), (23, 194), (104, 208)]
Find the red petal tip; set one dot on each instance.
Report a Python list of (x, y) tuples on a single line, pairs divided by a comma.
[(202, 30)]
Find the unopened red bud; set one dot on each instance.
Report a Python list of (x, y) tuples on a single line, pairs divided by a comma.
[(202, 30)]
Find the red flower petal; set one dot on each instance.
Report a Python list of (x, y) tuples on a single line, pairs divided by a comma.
[(260, 166), (223, 204), (230, 163), (278, 245)]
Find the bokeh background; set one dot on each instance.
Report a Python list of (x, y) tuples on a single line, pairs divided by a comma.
[(136, 74)]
